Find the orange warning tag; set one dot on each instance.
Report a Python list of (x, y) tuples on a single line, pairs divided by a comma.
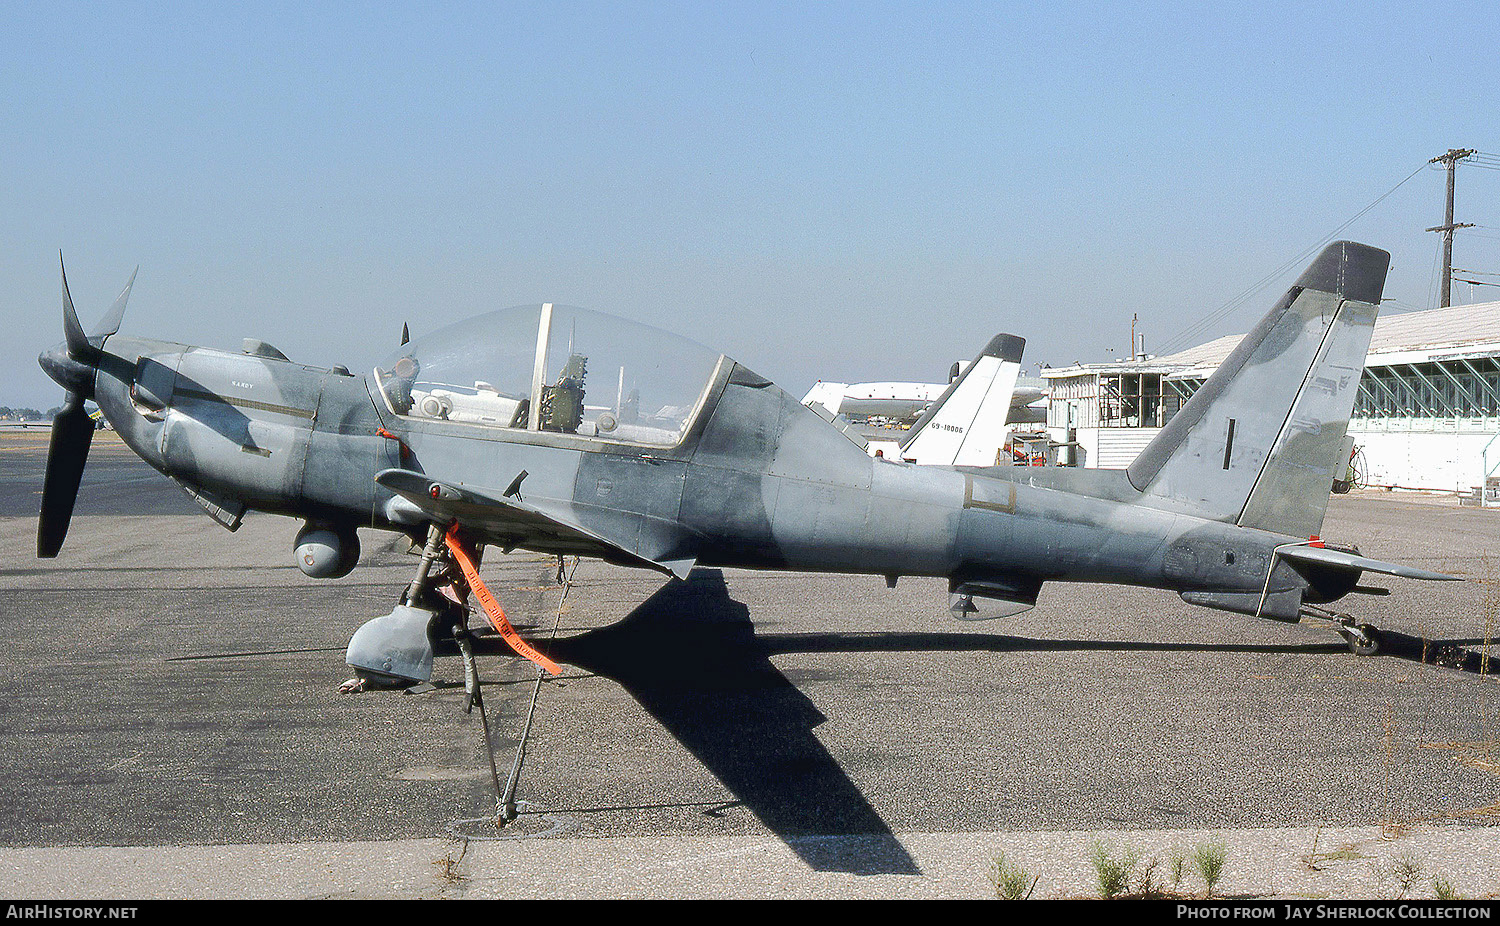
[(492, 607)]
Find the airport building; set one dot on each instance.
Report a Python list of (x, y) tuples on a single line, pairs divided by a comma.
[(1427, 415)]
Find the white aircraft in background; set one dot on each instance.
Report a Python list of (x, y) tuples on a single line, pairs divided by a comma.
[(895, 401), (964, 423)]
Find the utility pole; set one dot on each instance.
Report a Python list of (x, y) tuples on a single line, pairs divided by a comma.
[(1450, 161)]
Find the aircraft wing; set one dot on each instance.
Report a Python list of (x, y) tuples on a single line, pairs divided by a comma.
[(512, 522), (1324, 556)]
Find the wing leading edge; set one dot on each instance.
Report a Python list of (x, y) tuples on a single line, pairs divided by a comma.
[(512, 522)]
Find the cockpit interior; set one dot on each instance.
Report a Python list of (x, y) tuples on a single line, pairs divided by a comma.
[(553, 368)]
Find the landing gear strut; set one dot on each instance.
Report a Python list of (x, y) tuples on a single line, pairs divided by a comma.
[(396, 651), (1363, 639)]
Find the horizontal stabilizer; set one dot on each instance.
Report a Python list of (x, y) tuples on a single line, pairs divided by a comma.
[(1324, 556)]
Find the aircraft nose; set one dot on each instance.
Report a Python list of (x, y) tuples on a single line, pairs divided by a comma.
[(66, 372)]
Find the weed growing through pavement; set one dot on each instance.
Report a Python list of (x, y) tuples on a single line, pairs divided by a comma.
[(1132, 875), (1012, 882), (1146, 885), (1210, 859), (1443, 889), (1177, 868), (1403, 870), (1112, 874)]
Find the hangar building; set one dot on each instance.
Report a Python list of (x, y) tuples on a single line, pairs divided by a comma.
[(1427, 415)]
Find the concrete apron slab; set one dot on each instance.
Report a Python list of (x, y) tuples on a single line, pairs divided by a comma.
[(1260, 864)]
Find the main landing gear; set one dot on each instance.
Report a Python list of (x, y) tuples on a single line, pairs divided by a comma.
[(1363, 639), (396, 651)]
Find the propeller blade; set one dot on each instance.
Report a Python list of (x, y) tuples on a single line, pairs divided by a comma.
[(72, 433), (405, 334), (79, 347), (111, 321)]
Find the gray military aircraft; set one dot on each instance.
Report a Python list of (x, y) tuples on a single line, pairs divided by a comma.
[(567, 432)]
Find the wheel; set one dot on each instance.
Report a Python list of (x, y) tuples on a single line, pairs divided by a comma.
[(1364, 640)]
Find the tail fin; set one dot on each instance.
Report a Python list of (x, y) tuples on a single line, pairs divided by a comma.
[(828, 395), (1259, 444), (966, 425)]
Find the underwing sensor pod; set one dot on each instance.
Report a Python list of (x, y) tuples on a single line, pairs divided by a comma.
[(567, 432), (326, 552)]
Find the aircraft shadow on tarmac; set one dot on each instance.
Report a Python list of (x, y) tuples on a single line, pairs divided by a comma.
[(1449, 654), (691, 657)]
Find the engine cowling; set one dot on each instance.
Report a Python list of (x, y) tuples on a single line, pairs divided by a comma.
[(324, 552)]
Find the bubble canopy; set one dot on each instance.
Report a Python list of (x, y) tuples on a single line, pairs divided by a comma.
[(552, 368)]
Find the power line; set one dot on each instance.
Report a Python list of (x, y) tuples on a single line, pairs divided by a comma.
[(1182, 338), (1483, 159)]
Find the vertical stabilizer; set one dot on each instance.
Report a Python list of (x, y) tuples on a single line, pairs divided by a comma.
[(1259, 444), (966, 425), (828, 395)]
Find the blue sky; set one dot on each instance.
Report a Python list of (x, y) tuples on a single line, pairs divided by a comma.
[(850, 191)]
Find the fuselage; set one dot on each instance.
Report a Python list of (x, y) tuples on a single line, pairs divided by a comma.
[(758, 481)]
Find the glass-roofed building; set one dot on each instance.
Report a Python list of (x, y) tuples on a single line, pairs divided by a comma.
[(1427, 415)]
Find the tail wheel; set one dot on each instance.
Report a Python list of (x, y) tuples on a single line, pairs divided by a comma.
[(1364, 640)]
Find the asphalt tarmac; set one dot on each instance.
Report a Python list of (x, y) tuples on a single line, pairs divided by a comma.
[(173, 725)]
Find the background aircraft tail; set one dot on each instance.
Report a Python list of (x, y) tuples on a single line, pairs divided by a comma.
[(966, 425), (827, 395), (1259, 444)]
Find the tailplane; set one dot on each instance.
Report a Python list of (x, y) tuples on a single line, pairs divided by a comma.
[(1259, 444)]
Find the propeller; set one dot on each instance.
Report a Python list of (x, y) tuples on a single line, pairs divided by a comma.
[(72, 433), (73, 365)]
